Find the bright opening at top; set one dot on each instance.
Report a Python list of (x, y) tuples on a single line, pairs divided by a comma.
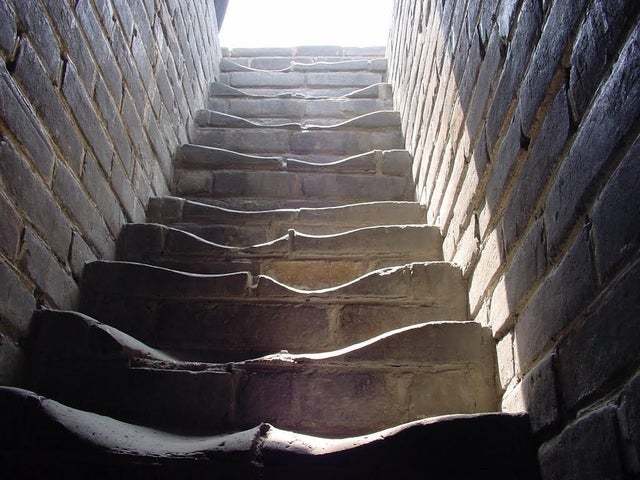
[(289, 23)]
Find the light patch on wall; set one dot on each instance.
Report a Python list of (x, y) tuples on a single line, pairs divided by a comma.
[(288, 23)]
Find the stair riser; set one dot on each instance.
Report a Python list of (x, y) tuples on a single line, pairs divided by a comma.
[(218, 331), (333, 401), (295, 260), (305, 64), (343, 188), (382, 91), (287, 142), (295, 80), (292, 110)]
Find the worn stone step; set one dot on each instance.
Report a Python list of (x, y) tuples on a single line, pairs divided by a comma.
[(280, 62), (55, 437), (375, 162), (217, 174), (377, 130), (296, 259), (301, 79), (285, 65), (381, 91), (374, 131), (249, 227), (281, 110), (403, 375), (233, 316)]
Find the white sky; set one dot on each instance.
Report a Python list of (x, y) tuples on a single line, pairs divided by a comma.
[(289, 23)]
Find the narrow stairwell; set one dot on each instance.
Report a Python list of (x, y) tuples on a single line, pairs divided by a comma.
[(288, 302)]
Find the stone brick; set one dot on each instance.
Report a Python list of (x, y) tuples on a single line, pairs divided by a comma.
[(490, 260), (8, 30), (100, 46), (527, 267), (17, 300), (34, 199), (81, 254), (11, 229), (610, 118), (97, 185), (13, 363), (47, 273), (76, 201), (114, 125), (561, 22), (553, 306), (596, 45), (629, 418), (36, 23), (63, 17), (86, 117), (524, 39), (123, 188), (587, 358), (539, 393), (616, 232), (586, 450), (44, 97), (536, 170), (504, 350), (16, 112)]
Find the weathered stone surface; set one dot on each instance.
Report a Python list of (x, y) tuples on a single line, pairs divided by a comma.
[(586, 357), (280, 388), (615, 215), (493, 442), (17, 299), (629, 421), (552, 307), (8, 30), (610, 118), (587, 449)]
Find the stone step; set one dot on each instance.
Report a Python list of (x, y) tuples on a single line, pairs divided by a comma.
[(373, 131), (282, 110), (301, 79), (205, 173), (55, 437), (381, 91), (249, 227), (234, 316), (403, 375), (296, 259), (284, 65)]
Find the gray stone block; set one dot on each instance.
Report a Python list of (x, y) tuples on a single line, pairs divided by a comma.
[(629, 421), (604, 343), (611, 116), (553, 306), (11, 231), (17, 300), (586, 450), (8, 30), (614, 217)]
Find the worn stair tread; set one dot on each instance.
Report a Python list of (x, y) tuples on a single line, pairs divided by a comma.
[(281, 110), (239, 315), (346, 65), (69, 335), (382, 162), (496, 444), (379, 90), (301, 79), (374, 131), (413, 372), (174, 209), (339, 256), (381, 119), (419, 283)]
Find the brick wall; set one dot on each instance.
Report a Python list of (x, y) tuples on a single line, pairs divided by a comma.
[(523, 117), (95, 95)]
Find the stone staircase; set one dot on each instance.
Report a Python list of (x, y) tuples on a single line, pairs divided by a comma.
[(290, 281)]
